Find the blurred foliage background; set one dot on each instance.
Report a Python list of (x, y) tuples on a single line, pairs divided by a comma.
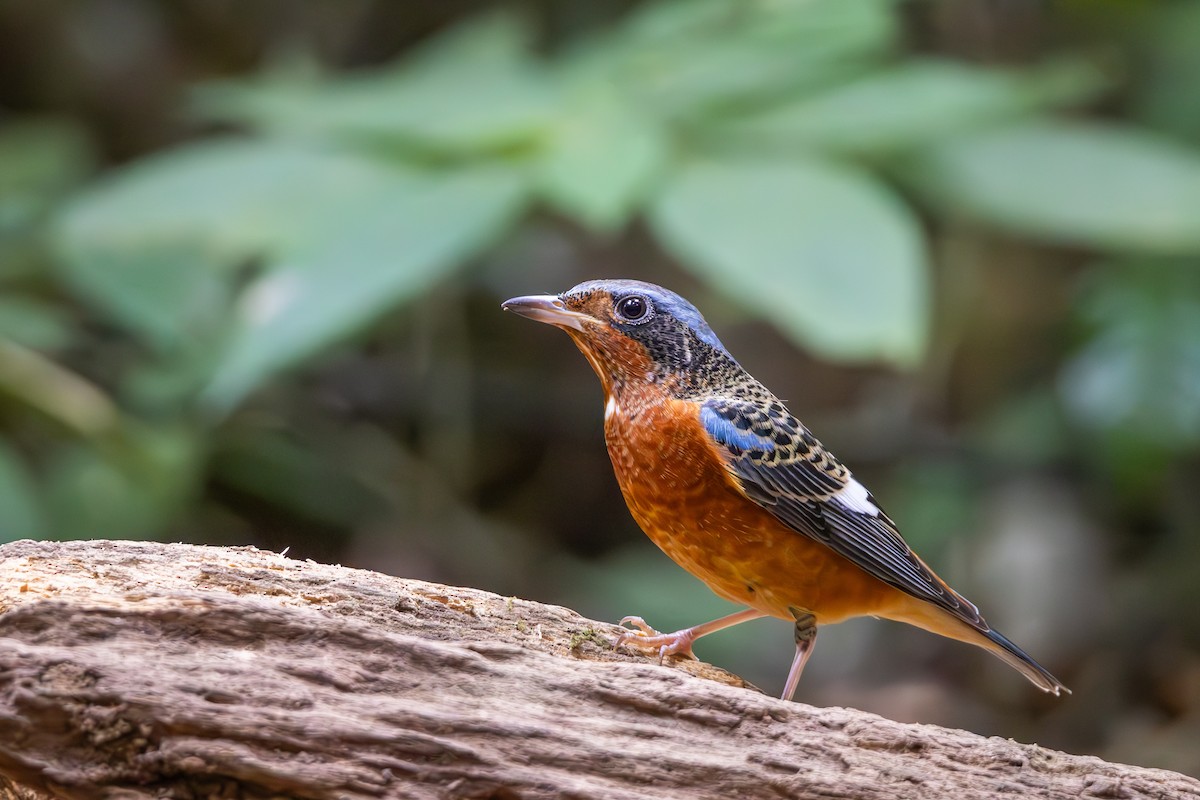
[(251, 256)]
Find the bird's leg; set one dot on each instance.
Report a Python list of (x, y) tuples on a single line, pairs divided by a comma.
[(679, 642), (806, 635)]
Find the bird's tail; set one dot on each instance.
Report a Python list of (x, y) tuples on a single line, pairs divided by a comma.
[(999, 644), (942, 622)]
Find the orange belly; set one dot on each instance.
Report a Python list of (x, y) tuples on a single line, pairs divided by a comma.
[(681, 495)]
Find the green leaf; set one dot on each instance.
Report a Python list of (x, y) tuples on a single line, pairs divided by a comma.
[(171, 294), (34, 324), (34, 380), (908, 105), (473, 89), (1162, 94), (131, 489), (831, 28), (696, 58), (1107, 187), (826, 253), (673, 20), (391, 250), (1139, 377), (167, 386), (729, 77), (21, 515), (154, 244), (39, 160), (235, 197), (601, 160)]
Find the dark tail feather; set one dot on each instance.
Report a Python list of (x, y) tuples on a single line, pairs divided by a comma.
[(1019, 660)]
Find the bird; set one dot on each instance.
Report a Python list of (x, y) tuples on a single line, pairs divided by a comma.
[(727, 482)]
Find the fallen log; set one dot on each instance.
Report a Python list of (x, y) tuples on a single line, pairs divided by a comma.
[(136, 669)]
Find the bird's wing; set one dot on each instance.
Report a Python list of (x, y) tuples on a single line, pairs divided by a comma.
[(782, 467)]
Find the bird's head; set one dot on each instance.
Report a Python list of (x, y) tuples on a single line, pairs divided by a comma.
[(632, 332)]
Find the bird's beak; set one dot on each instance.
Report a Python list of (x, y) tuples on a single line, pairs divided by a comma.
[(546, 308)]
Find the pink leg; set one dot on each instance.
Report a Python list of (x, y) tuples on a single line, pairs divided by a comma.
[(806, 635), (679, 642)]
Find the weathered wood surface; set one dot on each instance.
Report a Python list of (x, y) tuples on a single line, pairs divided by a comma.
[(153, 670)]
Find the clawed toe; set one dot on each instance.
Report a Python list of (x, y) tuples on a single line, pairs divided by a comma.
[(643, 637), (640, 624)]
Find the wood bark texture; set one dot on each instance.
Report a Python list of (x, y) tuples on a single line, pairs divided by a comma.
[(134, 669)]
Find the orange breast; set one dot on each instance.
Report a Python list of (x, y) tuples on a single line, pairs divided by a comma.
[(683, 497)]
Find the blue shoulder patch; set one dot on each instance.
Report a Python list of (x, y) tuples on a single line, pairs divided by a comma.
[(730, 435)]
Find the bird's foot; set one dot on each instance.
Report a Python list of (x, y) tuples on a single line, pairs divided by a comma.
[(644, 637)]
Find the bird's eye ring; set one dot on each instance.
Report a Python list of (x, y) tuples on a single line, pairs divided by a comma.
[(633, 308)]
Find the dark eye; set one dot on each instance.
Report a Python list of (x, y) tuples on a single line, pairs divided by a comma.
[(633, 308)]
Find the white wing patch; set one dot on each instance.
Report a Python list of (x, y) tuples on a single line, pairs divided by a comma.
[(610, 407), (855, 497)]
